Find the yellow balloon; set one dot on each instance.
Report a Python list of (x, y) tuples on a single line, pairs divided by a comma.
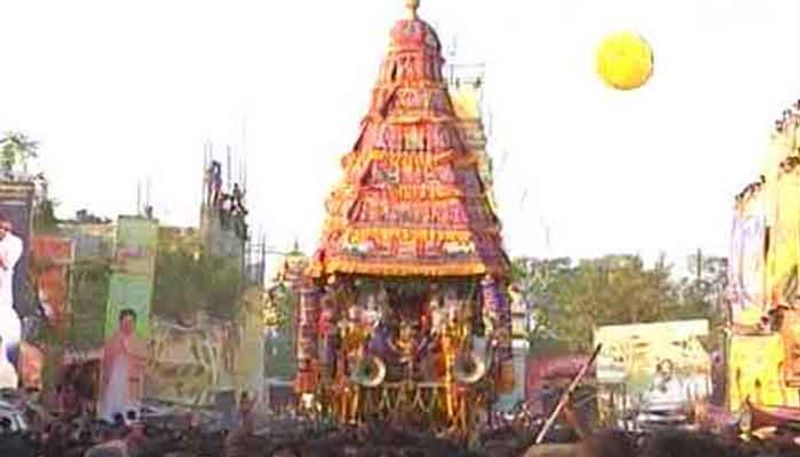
[(625, 61)]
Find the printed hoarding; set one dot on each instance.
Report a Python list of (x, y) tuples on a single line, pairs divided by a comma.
[(187, 364), (15, 209), (137, 239), (52, 250), (31, 364), (51, 255), (659, 363), (129, 292), (131, 285), (16, 201)]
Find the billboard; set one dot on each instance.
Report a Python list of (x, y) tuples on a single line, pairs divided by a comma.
[(131, 284), (16, 201), (659, 363)]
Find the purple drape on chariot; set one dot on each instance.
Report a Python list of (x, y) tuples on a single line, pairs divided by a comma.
[(379, 344)]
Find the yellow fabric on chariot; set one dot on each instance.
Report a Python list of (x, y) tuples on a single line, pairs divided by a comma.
[(346, 265), (784, 250)]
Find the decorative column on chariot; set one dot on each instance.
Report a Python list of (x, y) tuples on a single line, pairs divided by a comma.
[(499, 312), (307, 341), (327, 333)]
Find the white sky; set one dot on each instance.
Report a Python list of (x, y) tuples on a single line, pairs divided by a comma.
[(120, 91)]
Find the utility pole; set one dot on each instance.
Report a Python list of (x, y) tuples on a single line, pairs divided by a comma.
[(699, 264), (138, 197)]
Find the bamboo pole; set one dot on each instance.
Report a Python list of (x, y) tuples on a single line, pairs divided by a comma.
[(565, 396)]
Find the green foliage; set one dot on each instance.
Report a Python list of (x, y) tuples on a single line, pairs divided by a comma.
[(279, 360), (44, 217), (15, 150), (88, 299), (569, 301), (186, 283)]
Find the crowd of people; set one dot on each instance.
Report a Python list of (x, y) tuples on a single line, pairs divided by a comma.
[(63, 424), (230, 206)]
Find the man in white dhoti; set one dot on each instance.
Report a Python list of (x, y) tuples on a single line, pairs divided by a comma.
[(124, 358), (10, 253)]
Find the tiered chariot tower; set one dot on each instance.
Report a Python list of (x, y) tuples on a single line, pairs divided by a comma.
[(404, 315)]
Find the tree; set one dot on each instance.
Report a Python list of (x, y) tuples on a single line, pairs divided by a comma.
[(186, 283), (570, 301), (88, 296), (44, 217), (539, 281), (279, 360), (707, 284), (16, 149)]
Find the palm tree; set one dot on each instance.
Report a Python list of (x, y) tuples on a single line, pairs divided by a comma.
[(16, 149)]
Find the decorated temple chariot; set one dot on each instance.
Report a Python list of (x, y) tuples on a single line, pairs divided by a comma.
[(403, 314)]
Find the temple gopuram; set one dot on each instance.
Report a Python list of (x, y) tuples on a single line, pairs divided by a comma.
[(404, 315)]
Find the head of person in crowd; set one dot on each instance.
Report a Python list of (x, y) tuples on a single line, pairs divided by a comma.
[(608, 443), (675, 443)]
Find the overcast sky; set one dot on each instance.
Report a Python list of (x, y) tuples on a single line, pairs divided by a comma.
[(120, 91)]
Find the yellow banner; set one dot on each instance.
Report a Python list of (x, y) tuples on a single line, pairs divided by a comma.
[(755, 365), (784, 249)]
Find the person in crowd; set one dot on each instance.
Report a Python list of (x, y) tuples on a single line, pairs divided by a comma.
[(12, 442), (112, 444), (676, 443), (237, 196), (246, 408), (69, 403)]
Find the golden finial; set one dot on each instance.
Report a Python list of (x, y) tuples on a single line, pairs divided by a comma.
[(412, 6)]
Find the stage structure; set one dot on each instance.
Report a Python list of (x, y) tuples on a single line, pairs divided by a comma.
[(404, 314)]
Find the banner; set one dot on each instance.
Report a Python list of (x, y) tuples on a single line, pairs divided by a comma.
[(137, 239), (52, 250), (755, 366), (16, 201), (784, 248), (187, 364), (15, 209), (659, 363), (735, 294), (129, 292), (52, 255), (751, 269), (131, 285), (31, 364), (125, 355)]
